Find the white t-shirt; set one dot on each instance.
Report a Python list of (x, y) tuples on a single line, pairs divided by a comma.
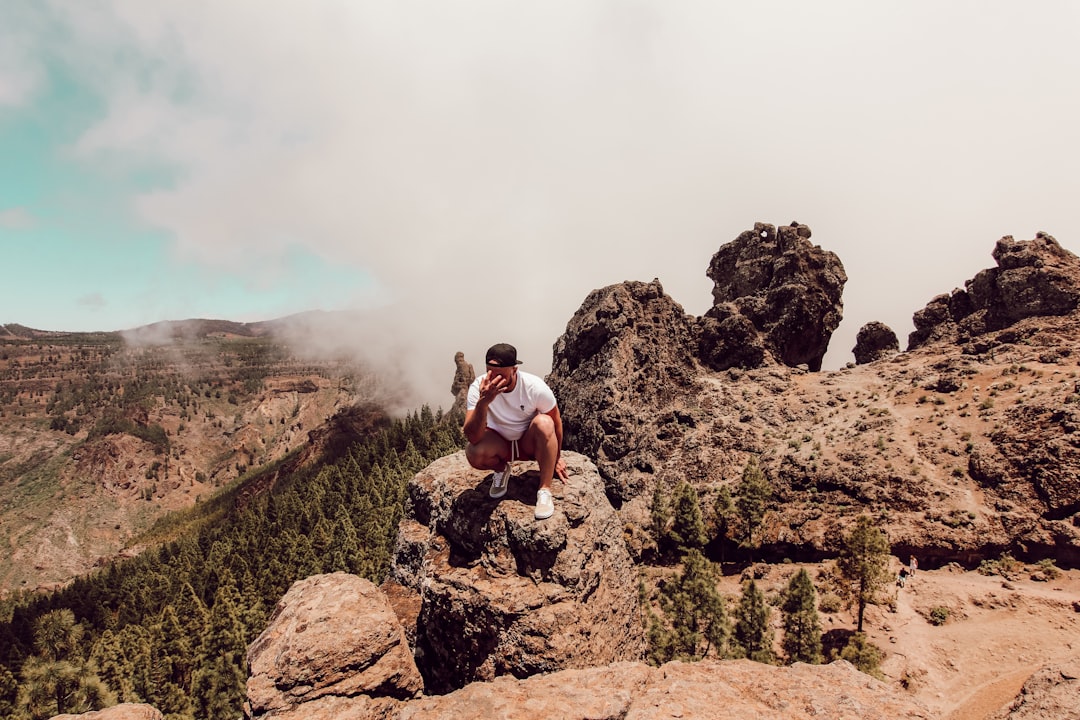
[(510, 413)]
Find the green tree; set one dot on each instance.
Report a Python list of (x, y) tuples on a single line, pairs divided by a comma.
[(218, 684), (753, 633), (57, 680), (863, 564), (697, 621), (688, 526), (754, 494), (864, 655), (660, 514), (723, 512), (802, 627)]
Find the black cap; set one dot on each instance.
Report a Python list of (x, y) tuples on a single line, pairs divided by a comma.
[(502, 355)]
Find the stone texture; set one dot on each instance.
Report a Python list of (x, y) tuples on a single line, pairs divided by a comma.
[(1034, 278), (787, 288), (875, 341), (1051, 693), (504, 594), (628, 344), (708, 690), (123, 711), (331, 636), (459, 387)]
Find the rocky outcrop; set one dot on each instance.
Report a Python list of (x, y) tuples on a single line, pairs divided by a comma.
[(707, 690), (628, 345), (875, 341), (1033, 278), (123, 711), (788, 289), (333, 641), (503, 594), (459, 387), (1051, 693)]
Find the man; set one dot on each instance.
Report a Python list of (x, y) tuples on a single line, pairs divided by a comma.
[(512, 415)]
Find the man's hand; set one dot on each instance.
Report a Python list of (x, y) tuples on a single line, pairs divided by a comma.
[(560, 468), (491, 385)]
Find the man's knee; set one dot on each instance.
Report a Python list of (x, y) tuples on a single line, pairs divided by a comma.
[(481, 459), (543, 425)]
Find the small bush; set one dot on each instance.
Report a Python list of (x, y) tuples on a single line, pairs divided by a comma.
[(864, 655), (830, 602), (939, 615), (1048, 568)]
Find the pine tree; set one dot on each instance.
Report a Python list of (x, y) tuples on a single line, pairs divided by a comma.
[(58, 680), (218, 684), (802, 627), (723, 511), (687, 527), (753, 497), (863, 564), (695, 610), (660, 513), (753, 633)]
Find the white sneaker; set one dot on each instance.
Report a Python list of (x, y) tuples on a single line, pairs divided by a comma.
[(545, 508), (500, 481)]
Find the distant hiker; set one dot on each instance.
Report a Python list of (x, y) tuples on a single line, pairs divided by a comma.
[(914, 565), (902, 579), (512, 415)]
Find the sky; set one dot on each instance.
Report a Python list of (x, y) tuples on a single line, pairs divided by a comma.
[(467, 172)]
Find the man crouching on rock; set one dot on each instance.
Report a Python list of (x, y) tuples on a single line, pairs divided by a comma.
[(512, 415)]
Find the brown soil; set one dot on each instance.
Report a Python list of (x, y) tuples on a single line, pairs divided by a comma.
[(997, 634)]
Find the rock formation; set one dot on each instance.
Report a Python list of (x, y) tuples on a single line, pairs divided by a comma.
[(332, 641), (333, 650), (459, 388), (1033, 278), (788, 289), (627, 344), (874, 341), (992, 419), (501, 594)]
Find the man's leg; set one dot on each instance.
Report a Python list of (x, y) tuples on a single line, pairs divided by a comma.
[(541, 444), (491, 453)]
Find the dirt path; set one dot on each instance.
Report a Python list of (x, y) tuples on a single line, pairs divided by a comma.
[(992, 697), (998, 632)]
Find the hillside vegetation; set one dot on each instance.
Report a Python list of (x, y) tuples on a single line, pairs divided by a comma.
[(171, 627)]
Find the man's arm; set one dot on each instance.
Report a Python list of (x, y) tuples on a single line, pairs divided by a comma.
[(476, 419), (556, 417), (475, 423)]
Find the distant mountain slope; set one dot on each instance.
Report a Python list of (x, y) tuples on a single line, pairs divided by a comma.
[(101, 433)]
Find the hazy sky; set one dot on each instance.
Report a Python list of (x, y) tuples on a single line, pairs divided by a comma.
[(474, 169)]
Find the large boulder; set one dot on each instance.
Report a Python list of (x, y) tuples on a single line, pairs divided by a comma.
[(333, 640), (629, 347), (787, 288), (875, 341), (1034, 278), (504, 594)]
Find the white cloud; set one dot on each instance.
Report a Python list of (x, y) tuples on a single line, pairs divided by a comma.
[(489, 163)]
